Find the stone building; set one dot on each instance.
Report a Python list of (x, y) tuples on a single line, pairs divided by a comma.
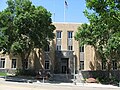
[(61, 56)]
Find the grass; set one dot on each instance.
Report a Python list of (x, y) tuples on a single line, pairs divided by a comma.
[(3, 74)]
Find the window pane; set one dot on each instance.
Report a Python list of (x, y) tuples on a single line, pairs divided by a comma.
[(114, 65), (47, 65), (70, 34), (81, 65), (2, 63), (26, 64), (58, 34), (70, 48), (13, 63), (58, 47), (82, 49)]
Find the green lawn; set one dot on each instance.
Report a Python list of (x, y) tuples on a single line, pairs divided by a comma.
[(3, 74)]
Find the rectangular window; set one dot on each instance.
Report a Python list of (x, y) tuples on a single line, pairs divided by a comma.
[(114, 63), (70, 34), (70, 48), (58, 47), (47, 64), (2, 63), (70, 42), (81, 65), (82, 49), (103, 65), (58, 40), (58, 33), (13, 63), (26, 64)]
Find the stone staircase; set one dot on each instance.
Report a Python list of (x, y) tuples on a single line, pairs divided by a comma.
[(67, 78), (61, 78)]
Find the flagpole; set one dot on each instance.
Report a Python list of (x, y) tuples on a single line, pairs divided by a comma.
[(64, 12), (54, 17)]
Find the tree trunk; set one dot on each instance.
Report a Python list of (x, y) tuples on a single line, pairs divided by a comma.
[(109, 68), (23, 61), (39, 52)]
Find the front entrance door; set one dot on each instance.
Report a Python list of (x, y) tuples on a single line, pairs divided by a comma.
[(64, 65), (64, 69)]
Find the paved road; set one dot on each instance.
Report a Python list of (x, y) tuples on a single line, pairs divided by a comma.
[(39, 86), (9, 85)]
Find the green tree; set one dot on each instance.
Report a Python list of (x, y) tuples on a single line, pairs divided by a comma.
[(24, 27), (103, 32)]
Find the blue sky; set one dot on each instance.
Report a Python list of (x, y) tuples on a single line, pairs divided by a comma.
[(73, 13)]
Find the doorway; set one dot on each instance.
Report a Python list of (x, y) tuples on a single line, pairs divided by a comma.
[(64, 65)]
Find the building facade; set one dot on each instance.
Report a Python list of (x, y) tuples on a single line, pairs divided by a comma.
[(63, 55)]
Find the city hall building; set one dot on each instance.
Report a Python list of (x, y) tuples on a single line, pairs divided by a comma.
[(63, 55)]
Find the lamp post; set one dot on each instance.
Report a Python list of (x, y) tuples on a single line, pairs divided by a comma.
[(74, 68)]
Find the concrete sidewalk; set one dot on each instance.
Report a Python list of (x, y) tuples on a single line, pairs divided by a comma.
[(94, 85)]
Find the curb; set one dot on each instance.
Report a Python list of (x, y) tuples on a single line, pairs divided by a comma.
[(79, 85), (92, 85)]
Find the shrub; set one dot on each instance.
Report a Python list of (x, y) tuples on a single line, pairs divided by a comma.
[(29, 72)]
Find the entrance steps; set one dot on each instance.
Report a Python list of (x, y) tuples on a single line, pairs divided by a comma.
[(79, 77), (61, 77)]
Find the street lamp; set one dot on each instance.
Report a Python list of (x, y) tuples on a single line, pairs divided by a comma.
[(74, 68)]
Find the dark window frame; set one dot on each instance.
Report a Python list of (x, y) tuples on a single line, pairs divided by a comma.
[(70, 34), (81, 65), (14, 63), (81, 48), (2, 62), (58, 47), (58, 34), (114, 65), (47, 65), (70, 47)]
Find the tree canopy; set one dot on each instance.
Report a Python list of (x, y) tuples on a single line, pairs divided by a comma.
[(23, 27), (103, 31)]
